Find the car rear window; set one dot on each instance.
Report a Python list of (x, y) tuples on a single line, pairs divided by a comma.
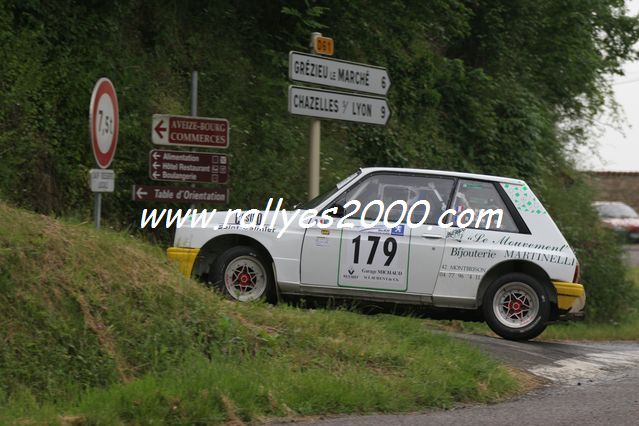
[(477, 196)]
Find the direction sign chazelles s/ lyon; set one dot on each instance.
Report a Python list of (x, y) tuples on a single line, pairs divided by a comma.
[(180, 195), (178, 130), (188, 166), (337, 105), (336, 73)]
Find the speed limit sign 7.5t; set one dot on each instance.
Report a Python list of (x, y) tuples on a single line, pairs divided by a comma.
[(103, 122)]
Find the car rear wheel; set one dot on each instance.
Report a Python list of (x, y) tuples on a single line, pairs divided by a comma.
[(242, 273), (516, 307)]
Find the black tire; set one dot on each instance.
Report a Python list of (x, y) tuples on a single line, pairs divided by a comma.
[(246, 267), (509, 306)]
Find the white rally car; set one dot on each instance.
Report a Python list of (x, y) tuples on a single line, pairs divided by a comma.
[(519, 272)]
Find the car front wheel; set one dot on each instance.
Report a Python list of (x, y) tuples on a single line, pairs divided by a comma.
[(516, 307), (241, 273)]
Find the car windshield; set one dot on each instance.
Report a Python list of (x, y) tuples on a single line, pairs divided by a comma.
[(323, 197), (616, 211)]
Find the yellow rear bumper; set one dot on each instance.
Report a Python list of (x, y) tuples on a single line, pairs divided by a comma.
[(185, 257), (570, 296)]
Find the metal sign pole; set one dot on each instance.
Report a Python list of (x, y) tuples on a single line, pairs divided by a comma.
[(314, 159), (194, 81), (314, 146), (194, 93), (97, 210), (103, 128)]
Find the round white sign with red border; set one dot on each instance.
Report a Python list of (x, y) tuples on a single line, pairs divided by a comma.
[(103, 122)]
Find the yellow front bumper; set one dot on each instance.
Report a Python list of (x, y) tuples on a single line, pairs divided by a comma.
[(185, 257), (570, 296)]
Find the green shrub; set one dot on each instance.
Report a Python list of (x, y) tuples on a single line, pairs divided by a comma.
[(610, 293)]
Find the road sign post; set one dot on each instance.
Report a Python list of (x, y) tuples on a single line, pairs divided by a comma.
[(323, 45), (97, 209), (102, 180), (194, 84), (314, 151), (337, 105), (183, 130), (314, 159), (188, 166), (339, 74), (315, 103), (180, 194), (103, 128)]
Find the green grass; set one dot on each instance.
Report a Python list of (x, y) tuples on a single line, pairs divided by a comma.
[(633, 274), (100, 328), (628, 329)]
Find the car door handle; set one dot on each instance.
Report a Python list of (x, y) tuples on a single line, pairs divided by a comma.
[(432, 236)]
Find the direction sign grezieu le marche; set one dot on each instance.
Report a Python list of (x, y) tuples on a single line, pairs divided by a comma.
[(178, 130), (180, 195), (336, 73), (337, 105), (184, 166)]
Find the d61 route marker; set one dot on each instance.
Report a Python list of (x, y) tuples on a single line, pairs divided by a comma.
[(179, 130), (172, 194), (324, 45), (182, 166), (337, 105), (102, 180), (336, 73)]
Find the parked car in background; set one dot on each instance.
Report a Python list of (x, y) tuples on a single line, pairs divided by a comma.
[(619, 217)]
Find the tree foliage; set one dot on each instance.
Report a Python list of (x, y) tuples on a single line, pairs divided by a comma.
[(493, 86)]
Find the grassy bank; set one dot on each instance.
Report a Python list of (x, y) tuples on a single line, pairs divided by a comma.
[(101, 328)]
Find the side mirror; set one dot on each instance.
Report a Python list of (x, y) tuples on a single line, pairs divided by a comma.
[(338, 209)]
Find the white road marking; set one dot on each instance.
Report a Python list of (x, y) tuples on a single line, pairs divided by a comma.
[(590, 366)]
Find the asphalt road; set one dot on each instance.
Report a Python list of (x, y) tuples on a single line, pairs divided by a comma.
[(587, 384)]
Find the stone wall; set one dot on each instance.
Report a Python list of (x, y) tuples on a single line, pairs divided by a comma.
[(617, 186)]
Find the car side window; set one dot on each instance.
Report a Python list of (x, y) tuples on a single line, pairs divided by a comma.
[(480, 197), (392, 187)]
